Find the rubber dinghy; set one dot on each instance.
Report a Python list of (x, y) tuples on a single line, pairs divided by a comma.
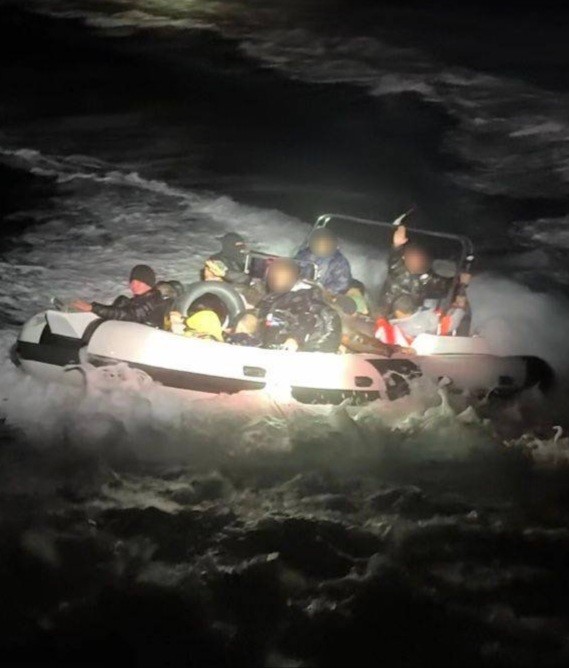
[(54, 344)]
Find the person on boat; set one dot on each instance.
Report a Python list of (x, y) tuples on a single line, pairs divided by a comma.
[(357, 330), (170, 291), (177, 321), (333, 271), (357, 291), (409, 321), (245, 331), (146, 306), (229, 263), (294, 315), (410, 273), (390, 331), (204, 324)]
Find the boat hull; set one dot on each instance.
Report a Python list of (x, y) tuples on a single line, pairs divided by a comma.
[(53, 346)]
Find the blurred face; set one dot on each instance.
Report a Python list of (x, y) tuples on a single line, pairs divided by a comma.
[(241, 247), (401, 315), (323, 246), (416, 261), (281, 278), (139, 288)]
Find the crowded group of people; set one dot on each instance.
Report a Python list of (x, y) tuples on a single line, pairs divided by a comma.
[(308, 303)]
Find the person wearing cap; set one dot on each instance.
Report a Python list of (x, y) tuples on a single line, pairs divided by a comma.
[(295, 316), (410, 273), (333, 269), (146, 305), (228, 264)]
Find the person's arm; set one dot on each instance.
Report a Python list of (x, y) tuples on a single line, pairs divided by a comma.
[(340, 276), (140, 309), (400, 239), (118, 312)]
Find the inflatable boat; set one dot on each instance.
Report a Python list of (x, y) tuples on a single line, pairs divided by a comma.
[(54, 345)]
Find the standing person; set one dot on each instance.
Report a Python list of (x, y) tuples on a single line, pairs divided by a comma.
[(295, 317), (228, 264), (146, 305), (333, 269), (410, 273)]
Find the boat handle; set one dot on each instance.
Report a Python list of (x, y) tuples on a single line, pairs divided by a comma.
[(363, 381), (254, 371)]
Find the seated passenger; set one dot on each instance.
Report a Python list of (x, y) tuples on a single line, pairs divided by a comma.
[(409, 321), (245, 331), (207, 302), (390, 331), (410, 273), (170, 291), (356, 291), (357, 331), (203, 325), (333, 269), (229, 264), (145, 306), (294, 316)]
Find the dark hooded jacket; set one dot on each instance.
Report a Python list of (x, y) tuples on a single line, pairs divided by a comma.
[(233, 258), (303, 316), (334, 272), (147, 309), (400, 281)]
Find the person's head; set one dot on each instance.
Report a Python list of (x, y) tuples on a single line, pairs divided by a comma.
[(282, 275), (357, 292), (233, 245), (205, 323), (346, 304), (404, 307), (323, 242), (166, 290), (247, 323), (178, 287), (209, 302), (417, 259), (356, 287), (142, 279)]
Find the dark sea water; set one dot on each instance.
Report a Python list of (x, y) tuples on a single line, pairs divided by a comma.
[(146, 531)]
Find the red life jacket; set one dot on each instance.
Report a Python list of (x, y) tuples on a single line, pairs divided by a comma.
[(390, 334), (445, 327)]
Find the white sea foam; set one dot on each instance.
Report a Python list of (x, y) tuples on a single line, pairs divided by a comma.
[(102, 222), (549, 232)]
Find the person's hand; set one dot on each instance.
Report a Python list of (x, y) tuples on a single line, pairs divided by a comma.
[(400, 236), (218, 269), (465, 278), (404, 350), (291, 345), (80, 305)]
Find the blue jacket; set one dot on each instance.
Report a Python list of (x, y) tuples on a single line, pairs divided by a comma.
[(334, 272)]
